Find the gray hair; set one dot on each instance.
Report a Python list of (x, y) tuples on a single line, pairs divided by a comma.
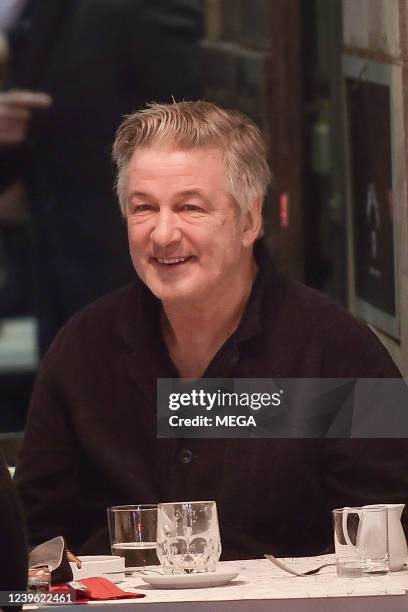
[(196, 124)]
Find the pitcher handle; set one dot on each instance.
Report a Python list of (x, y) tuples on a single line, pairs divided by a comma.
[(346, 511)]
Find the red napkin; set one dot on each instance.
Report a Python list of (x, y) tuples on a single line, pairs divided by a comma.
[(95, 589)]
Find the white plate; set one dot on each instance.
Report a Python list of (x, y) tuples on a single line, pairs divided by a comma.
[(100, 565), (190, 581)]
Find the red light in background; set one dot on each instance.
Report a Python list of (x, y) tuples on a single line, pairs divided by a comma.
[(284, 209)]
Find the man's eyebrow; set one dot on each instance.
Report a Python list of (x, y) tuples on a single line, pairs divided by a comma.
[(187, 192), (138, 194), (191, 193)]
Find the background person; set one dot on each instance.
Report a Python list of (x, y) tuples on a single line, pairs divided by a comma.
[(92, 61)]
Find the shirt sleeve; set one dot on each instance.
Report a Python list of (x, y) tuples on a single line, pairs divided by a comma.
[(48, 472)]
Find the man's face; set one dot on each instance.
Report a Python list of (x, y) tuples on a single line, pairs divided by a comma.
[(187, 240)]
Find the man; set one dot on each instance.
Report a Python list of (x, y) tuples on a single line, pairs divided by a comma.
[(92, 61), (207, 303)]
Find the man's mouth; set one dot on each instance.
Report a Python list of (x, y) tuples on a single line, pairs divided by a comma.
[(172, 261)]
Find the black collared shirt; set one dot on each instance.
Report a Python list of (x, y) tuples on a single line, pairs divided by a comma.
[(91, 434)]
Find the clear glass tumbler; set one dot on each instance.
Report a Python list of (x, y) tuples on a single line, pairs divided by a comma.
[(133, 534), (188, 537), (361, 541)]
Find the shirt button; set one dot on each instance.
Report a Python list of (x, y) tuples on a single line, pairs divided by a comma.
[(185, 455)]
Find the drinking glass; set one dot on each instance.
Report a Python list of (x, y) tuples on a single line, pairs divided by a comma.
[(361, 541), (188, 537), (133, 534)]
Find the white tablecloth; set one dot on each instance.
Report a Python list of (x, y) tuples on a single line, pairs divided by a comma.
[(261, 586)]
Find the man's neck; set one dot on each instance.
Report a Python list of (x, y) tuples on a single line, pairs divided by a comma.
[(194, 332)]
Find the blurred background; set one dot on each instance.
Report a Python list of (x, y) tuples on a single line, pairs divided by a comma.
[(324, 79)]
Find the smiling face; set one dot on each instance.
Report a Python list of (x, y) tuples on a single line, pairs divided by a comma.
[(187, 239)]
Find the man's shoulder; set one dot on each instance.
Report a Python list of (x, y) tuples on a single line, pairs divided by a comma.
[(315, 304), (309, 305), (97, 323), (325, 331), (105, 308), (297, 302)]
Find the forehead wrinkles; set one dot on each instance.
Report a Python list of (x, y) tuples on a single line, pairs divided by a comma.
[(205, 166)]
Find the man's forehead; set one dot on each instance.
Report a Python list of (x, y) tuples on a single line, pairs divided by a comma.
[(176, 169), (173, 155), (170, 172)]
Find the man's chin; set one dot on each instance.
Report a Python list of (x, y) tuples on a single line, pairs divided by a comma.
[(171, 294)]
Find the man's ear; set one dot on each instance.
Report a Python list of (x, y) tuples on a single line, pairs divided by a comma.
[(252, 223)]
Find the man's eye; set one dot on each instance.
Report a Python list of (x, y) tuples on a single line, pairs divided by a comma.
[(140, 208), (192, 208)]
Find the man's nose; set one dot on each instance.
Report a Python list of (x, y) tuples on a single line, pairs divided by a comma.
[(166, 229)]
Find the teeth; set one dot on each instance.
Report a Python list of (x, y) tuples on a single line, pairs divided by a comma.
[(171, 261)]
